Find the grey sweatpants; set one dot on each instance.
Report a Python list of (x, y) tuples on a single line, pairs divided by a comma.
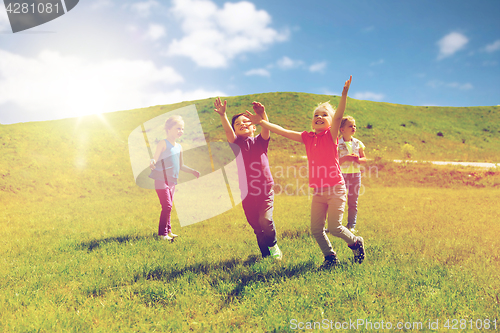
[(329, 201)]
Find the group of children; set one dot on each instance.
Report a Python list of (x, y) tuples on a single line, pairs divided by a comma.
[(334, 174)]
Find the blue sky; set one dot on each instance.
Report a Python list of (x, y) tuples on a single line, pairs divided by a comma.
[(110, 55)]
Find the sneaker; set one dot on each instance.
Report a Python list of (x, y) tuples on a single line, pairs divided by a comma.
[(358, 249), (276, 252), (167, 237), (173, 235), (330, 261)]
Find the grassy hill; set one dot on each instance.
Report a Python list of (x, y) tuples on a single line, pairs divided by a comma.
[(84, 156), (446, 133)]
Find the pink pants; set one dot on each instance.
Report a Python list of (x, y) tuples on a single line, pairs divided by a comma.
[(166, 195)]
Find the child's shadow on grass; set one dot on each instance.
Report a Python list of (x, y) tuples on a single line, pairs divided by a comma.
[(281, 274), (96, 243), (277, 273)]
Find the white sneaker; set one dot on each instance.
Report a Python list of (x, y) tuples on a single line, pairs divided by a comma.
[(358, 250), (276, 252), (167, 237), (173, 235)]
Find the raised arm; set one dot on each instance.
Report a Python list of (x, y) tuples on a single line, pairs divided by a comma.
[(220, 108), (259, 109), (257, 119), (339, 113)]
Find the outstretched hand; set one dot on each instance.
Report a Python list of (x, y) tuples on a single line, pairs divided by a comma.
[(346, 86), (258, 108), (220, 108), (254, 118)]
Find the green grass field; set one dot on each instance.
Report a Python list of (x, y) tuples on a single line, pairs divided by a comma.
[(79, 250), (95, 264)]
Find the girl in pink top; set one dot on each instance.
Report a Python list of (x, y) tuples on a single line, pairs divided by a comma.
[(325, 176)]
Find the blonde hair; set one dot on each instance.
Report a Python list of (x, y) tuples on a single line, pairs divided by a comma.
[(172, 121), (327, 106), (343, 122)]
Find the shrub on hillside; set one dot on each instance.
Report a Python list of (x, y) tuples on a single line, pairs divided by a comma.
[(408, 151)]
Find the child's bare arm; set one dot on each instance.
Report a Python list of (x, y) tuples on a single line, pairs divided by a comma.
[(159, 149), (257, 119), (337, 118), (362, 156), (220, 108), (261, 111)]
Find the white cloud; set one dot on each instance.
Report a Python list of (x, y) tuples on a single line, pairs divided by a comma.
[(369, 96), (155, 31), (461, 86), (101, 4), (4, 19), (454, 85), (326, 91), (132, 28), (450, 44), (52, 86), (318, 67), (378, 62), (213, 35), (287, 63), (258, 72), (144, 8), (178, 95), (435, 84), (490, 63), (495, 46)]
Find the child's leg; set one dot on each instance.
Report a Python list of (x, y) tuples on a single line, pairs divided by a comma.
[(266, 219), (353, 183), (252, 207), (336, 204), (319, 208), (166, 195)]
